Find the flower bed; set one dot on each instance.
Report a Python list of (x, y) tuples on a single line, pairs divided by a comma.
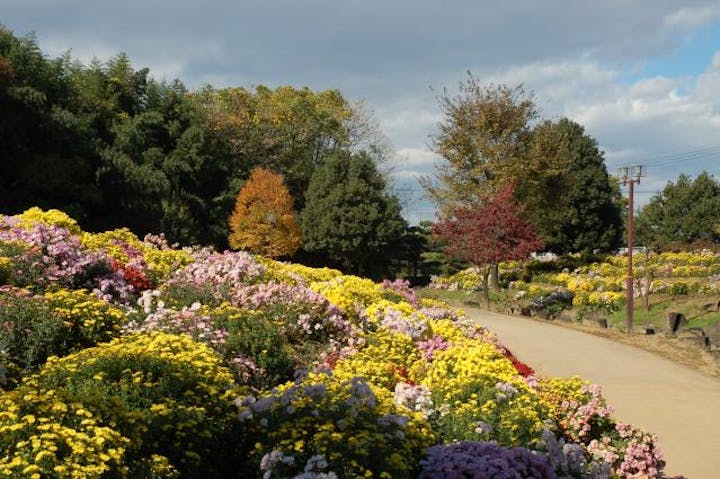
[(216, 365)]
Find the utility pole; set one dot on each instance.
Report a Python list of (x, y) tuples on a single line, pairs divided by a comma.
[(630, 175)]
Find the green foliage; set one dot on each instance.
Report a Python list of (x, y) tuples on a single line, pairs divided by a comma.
[(487, 141), (36, 327), (684, 212), (45, 159), (348, 214), (569, 197), (680, 288), (158, 173)]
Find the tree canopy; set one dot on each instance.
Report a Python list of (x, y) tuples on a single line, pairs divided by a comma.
[(490, 137), (685, 211), (484, 134), (114, 147), (490, 233), (567, 193), (349, 214), (263, 221)]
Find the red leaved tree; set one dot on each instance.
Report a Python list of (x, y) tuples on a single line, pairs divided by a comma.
[(488, 234)]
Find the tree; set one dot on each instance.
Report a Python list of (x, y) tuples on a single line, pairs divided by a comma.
[(45, 157), (158, 171), (263, 221), (483, 137), (566, 191), (488, 234), (348, 214), (684, 212), (487, 140), (286, 129)]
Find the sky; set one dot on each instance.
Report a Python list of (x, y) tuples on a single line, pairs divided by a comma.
[(642, 76)]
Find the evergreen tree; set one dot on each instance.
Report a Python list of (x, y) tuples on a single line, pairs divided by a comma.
[(684, 212), (568, 195), (348, 213)]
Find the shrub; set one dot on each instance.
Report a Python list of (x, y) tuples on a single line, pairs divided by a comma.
[(681, 288), (212, 278), (34, 327), (356, 429), (482, 460), (480, 396), (167, 394), (249, 342), (42, 435), (45, 257)]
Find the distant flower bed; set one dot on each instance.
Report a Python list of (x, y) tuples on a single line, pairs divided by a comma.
[(122, 357), (602, 285)]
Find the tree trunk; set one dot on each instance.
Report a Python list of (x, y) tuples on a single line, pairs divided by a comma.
[(646, 291), (494, 277), (649, 276), (486, 286)]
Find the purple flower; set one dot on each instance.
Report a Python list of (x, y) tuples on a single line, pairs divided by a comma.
[(484, 460)]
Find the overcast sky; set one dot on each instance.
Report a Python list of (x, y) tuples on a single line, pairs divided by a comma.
[(642, 76)]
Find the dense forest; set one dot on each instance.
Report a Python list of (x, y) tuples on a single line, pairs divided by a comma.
[(114, 147)]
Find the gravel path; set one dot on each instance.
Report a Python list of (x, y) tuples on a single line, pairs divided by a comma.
[(679, 404)]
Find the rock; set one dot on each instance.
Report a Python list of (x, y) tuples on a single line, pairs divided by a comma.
[(676, 321), (713, 332), (695, 336), (710, 307), (566, 316), (596, 319), (650, 329)]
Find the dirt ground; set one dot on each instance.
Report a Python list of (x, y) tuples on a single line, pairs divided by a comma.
[(657, 383)]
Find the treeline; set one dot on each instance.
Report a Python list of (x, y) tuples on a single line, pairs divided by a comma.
[(114, 147), (685, 215)]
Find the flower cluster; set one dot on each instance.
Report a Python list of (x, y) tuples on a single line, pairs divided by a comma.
[(469, 279), (251, 345), (51, 256), (483, 460), (302, 313), (213, 277), (293, 273), (162, 392), (350, 293), (45, 436), (356, 428), (33, 327), (402, 290)]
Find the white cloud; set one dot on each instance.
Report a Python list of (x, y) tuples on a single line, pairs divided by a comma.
[(692, 17), (645, 121), (416, 157)]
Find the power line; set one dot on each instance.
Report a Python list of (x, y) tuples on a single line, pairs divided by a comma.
[(668, 157), (684, 156)]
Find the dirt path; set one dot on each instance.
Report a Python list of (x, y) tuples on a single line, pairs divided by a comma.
[(679, 404)]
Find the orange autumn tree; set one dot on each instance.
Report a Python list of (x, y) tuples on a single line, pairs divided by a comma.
[(263, 221)]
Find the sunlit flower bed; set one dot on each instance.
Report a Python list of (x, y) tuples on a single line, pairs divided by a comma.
[(601, 285), (128, 358)]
